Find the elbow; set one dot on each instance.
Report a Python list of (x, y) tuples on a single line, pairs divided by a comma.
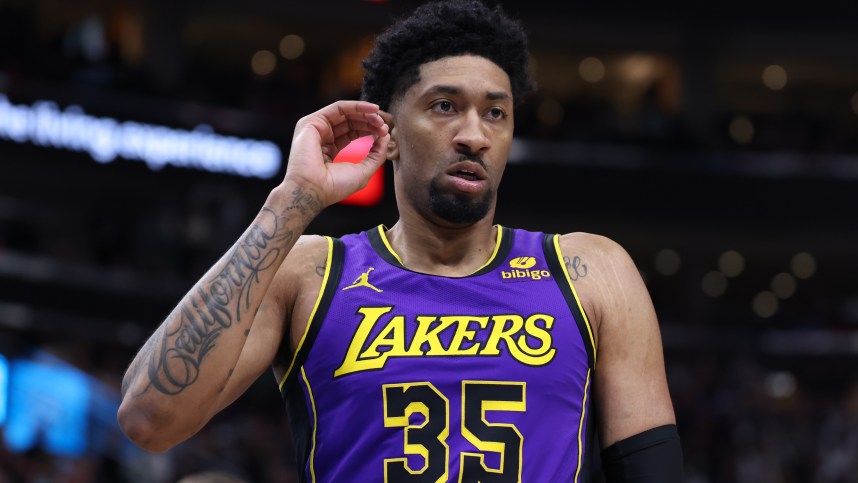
[(141, 426)]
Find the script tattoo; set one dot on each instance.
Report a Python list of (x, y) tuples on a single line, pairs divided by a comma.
[(576, 268), (305, 201), (137, 365), (216, 305)]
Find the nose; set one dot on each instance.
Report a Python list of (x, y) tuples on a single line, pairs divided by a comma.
[(472, 135)]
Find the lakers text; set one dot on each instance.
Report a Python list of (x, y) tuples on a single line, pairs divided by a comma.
[(392, 340)]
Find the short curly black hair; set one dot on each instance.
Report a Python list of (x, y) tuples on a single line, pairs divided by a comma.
[(442, 29)]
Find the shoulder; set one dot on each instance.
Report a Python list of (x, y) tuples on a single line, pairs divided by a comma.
[(601, 270), (307, 251), (301, 266), (310, 246), (298, 282), (592, 244), (591, 248)]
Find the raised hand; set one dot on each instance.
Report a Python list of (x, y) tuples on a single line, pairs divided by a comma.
[(321, 135), (198, 361)]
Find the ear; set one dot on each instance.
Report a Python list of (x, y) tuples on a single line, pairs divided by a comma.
[(392, 146)]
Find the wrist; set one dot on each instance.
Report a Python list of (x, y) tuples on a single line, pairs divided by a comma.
[(292, 198)]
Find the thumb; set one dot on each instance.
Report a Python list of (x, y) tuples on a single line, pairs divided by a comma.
[(376, 157)]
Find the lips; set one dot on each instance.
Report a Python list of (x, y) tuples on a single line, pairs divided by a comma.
[(467, 176), (468, 170)]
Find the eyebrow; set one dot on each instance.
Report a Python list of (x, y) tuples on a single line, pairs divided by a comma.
[(453, 90)]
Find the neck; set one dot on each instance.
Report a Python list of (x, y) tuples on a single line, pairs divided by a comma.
[(428, 247)]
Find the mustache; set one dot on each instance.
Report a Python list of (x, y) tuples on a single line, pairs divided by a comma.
[(471, 157)]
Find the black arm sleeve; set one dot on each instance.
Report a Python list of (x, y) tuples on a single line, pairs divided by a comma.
[(653, 456)]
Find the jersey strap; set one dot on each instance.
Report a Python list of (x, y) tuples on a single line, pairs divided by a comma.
[(554, 258), (294, 384), (330, 281)]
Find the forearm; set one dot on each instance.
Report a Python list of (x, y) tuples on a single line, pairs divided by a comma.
[(173, 385)]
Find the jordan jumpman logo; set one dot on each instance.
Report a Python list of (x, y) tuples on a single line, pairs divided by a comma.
[(363, 281)]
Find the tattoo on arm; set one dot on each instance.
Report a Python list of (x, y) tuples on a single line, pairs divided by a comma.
[(137, 365), (217, 304), (305, 201), (576, 268)]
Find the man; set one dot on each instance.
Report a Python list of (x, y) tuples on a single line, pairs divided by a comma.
[(444, 348)]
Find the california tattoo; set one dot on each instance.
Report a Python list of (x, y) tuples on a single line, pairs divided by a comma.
[(216, 305)]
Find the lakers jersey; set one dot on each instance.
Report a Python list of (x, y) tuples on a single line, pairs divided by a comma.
[(407, 377)]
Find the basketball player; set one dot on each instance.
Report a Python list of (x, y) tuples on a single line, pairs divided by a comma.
[(443, 348)]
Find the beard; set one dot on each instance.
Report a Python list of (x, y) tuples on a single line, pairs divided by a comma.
[(458, 209)]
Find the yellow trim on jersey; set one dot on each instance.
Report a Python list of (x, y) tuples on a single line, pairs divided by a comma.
[(387, 244), (495, 252), (577, 299), (313, 313), (315, 425), (498, 238), (581, 425)]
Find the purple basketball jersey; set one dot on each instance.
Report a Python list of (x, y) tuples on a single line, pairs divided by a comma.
[(408, 377)]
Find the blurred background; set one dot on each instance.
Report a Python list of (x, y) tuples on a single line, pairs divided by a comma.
[(716, 141)]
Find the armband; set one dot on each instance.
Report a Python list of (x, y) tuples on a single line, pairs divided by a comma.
[(653, 456)]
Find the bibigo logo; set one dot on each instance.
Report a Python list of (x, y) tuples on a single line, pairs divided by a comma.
[(520, 270)]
